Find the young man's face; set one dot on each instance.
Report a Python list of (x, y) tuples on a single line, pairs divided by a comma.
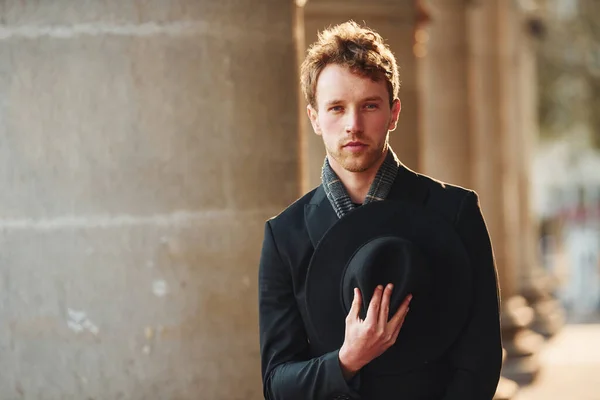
[(353, 116)]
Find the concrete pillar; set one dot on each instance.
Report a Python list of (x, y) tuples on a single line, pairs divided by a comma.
[(496, 137), (142, 147), (469, 141), (536, 284), (454, 145), (445, 141), (394, 20)]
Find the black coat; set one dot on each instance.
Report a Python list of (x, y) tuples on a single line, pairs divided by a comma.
[(468, 371)]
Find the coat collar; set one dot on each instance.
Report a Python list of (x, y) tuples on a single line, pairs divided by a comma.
[(319, 215)]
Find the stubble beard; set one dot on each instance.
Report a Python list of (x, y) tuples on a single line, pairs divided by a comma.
[(358, 162)]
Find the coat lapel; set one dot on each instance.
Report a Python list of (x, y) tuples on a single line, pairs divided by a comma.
[(319, 216)]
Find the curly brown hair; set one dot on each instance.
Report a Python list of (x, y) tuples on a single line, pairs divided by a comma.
[(359, 48)]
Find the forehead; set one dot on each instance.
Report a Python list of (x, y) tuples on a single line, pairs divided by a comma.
[(338, 82)]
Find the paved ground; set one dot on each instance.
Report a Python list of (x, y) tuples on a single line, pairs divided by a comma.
[(571, 366)]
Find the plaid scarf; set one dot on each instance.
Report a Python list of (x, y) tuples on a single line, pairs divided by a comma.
[(339, 198)]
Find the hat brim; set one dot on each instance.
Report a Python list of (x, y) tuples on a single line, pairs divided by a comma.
[(434, 320)]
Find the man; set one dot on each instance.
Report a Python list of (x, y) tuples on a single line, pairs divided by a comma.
[(350, 80)]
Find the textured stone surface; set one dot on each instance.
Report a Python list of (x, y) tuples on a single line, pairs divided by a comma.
[(136, 310), (446, 140), (109, 125), (142, 146), (214, 13), (114, 124)]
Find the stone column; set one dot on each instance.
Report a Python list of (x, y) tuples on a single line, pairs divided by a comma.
[(142, 147), (496, 136), (468, 141), (445, 140), (394, 20), (536, 284), (453, 72)]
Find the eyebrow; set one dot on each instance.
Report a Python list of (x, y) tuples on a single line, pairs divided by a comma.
[(332, 102), (338, 101), (373, 98)]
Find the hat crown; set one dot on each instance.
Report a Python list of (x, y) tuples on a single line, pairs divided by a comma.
[(383, 260)]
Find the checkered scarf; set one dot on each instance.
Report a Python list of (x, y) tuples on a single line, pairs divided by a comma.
[(339, 198)]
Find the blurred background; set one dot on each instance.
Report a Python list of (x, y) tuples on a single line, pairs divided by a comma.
[(143, 143)]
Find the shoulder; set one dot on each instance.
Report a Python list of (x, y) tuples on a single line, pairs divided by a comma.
[(447, 190), (447, 198)]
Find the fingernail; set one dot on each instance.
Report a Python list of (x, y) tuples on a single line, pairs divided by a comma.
[(410, 297), (380, 287), (390, 286)]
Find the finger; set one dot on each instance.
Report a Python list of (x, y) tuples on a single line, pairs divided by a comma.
[(384, 312), (401, 312), (356, 302), (399, 327), (374, 305)]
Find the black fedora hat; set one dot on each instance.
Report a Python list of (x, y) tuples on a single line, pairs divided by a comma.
[(391, 242)]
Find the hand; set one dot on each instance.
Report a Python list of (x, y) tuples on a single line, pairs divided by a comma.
[(366, 340)]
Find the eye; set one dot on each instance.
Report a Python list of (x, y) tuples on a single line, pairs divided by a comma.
[(336, 108), (371, 106)]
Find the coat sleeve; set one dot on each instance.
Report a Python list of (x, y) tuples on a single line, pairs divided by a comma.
[(476, 358), (288, 373)]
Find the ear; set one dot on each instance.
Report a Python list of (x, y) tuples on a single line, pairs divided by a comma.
[(314, 119), (396, 107)]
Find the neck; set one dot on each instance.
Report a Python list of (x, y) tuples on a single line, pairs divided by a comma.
[(357, 184)]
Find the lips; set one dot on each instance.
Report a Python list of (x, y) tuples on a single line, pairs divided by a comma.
[(354, 144), (355, 147)]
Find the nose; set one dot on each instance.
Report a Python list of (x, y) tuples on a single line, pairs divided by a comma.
[(354, 123)]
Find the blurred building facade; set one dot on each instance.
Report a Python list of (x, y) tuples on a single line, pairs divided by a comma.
[(566, 176), (144, 145)]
